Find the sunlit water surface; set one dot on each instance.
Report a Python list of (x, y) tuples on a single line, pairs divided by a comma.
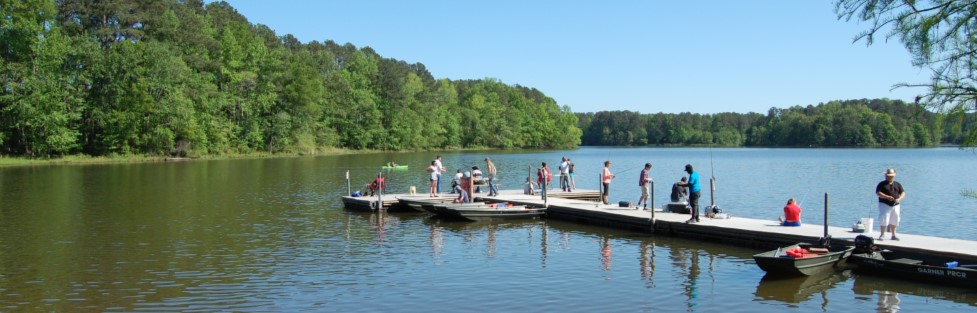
[(270, 235)]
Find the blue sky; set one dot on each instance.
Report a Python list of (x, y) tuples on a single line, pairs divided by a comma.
[(648, 56)]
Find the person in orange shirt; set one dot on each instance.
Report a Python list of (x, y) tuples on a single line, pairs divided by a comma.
[(606, 178)]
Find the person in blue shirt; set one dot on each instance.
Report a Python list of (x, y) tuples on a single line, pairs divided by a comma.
[(694, 192)]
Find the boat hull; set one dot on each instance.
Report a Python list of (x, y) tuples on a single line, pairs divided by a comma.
[(418, 203), (906, 266), (775, 263), (439, 208), (483, 212)]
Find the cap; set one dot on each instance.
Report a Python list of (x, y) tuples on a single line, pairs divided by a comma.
[(688, 167), (890, 172)]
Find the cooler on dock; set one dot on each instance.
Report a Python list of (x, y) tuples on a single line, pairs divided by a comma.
[(678, 207)]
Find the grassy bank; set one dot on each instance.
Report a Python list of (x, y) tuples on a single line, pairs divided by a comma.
[(6, 161)]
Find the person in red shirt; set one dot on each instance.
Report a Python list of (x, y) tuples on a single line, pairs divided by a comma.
[(543, 175), (377, 185), (792, 214)]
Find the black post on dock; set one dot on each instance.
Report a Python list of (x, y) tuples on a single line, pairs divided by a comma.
[(600, 189), (712, 192), (825, 215), (652, 200)]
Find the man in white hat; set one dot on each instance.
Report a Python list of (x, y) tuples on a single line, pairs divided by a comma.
[(890, 194)]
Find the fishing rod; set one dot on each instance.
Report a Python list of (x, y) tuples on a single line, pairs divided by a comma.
[(628, 170), (803, 198), (712, 183), (712, 170)]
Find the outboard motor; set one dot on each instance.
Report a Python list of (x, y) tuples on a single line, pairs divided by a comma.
[(825, 241), (864, 244)]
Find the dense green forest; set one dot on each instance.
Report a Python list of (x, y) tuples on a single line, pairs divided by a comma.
[(184, 77), (851, 123), (165, 77)]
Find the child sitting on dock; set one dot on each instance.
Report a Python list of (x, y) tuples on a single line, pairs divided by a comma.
[(792, 214), (462, 195), (530, 187)]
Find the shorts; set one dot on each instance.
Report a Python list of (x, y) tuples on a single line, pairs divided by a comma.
[(889, 215), (645, 190), (606, 186)]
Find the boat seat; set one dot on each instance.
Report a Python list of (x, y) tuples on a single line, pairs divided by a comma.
[(908, 261), (819, 250)]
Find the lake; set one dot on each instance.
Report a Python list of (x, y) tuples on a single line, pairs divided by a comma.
[(271, 235)]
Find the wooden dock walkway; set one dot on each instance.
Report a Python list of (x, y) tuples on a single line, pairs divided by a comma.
[(581, 206)]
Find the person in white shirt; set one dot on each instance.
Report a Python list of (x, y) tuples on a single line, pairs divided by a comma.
[(456, 181), (440, 169), (565, 174), (530, 187), (477, 178)]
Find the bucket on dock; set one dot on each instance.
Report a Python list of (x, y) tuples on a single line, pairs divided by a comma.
[(863, 225), (412, 190)]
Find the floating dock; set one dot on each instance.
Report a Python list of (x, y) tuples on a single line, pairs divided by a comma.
[(582, 206)]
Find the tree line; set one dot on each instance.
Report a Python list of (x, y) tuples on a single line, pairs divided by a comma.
[(181, 77), (848, 123)]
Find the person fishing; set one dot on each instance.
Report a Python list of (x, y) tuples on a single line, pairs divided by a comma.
[(792, 214), (891, 194), (695, 191), (644, 183), (605, 177), (565, 174)]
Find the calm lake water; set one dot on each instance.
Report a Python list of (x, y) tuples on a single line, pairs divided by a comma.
[(271, 235)]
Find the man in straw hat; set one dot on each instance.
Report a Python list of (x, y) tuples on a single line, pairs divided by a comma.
[(890, 194)]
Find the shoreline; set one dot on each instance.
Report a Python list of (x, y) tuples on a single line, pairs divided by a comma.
[(133, 159), (81, 159)]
